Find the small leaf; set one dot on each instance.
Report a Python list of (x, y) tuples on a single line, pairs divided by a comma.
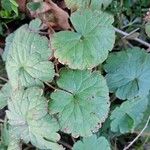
[(33, 6), (83, 104), (5, 93), (147, 28), (30, 122), (89, 45), (129, 115), (35, 24), (128, 73), (92, 143), (27, 59)]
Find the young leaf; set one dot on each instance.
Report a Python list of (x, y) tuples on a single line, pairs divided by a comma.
[(27, 59), (35, 24), (92, 143), (5, 93), (130, 114), (30, 122), (128, 73), (82, 104), (89, 45)]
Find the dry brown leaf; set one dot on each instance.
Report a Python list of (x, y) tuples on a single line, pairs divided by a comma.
[(61, 17), (22, 5)]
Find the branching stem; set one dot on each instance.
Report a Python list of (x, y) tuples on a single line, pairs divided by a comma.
[(135, 39), (131, 143)]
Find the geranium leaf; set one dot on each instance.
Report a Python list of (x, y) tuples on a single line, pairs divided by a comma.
[(92, 143), (30, 122), (89, 45), (83, 104), (128, 73), (35, 24), (5, 93), (94, 4), (129, 115), (27, 61)]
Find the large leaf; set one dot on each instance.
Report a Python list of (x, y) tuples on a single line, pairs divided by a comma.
[(94, 4), (30, 122), (92, 143), (83, 104), (129, 115), (89, 45), (5, 93), (27, 59), (128, 73)]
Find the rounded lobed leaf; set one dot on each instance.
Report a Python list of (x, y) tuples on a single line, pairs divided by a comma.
[(129, 115), (27, 59), (29, 120), (82, 104), (128, 73), (89, 45), (92, 143)]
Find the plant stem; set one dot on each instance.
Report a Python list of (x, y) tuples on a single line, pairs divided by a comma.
[(54, 88), (135, 39), (131, 143), (65, 144), (4, 79)]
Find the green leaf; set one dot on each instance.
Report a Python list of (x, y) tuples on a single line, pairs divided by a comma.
[(128, 73), (14, 143), (83, 104), (92, 143), (33, 6), (147, 28), (5, 134), (129, 115), (35, 24), (9, 41), (10, 5), (5, 93), (94, 4), (89, 45), (6, 5), (143, 122), (27, 59), (30, 122)]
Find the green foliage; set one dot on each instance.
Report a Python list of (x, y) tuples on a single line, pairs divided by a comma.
[(33, 6), (147, 28), (77, 103), (88, 46), (128, 73), (83, 102), (5, 93), (92, 143), (94, 4), (27, 62), (10, 9), (126, 117), (28, 117)]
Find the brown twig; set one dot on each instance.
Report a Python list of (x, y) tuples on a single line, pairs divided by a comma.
[(131, 143), (135, 39), (4, 79)]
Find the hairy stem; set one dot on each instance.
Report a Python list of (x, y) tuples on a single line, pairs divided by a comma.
[(135, 39)]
